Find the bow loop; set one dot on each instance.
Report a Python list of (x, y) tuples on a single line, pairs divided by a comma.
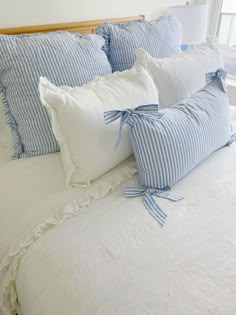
[(147, 111), (220, 73), (219, 76), (149, 201)]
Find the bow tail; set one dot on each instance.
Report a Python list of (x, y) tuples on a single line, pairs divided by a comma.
[(134, 192), (233, 139), (154, 209), (169, 195)]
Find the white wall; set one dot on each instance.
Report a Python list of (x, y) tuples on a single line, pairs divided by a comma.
[(32, 12), (213, 14)]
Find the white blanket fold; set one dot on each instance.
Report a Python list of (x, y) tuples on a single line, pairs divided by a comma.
[(47, 207)]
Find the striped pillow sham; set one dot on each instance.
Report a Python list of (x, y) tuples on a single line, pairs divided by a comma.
[(168, 144), (64, 58), (160, 38)]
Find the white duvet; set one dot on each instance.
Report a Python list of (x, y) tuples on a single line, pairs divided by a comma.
[(35, 199), (115, 259), (61, 254)]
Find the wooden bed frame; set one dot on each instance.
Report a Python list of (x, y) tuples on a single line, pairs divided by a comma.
[(86, 27)]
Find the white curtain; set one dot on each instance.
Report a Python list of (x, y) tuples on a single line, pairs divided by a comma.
[(214, 9)]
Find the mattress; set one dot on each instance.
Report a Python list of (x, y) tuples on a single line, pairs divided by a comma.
[(93, 251)]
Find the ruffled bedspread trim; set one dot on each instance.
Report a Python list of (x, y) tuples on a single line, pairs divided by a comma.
[(9, 266)]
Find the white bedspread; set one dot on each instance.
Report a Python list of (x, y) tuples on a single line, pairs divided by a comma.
[(115, 259), (25, 186), (4, 158), (33, 200)]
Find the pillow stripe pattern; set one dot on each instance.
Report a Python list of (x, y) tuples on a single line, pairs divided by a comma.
[(64, 58), (149, 112), (170, 144), (160, 38)]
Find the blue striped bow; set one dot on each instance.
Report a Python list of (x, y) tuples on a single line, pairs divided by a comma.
[(150, 203), (219, 75), (147, 111)]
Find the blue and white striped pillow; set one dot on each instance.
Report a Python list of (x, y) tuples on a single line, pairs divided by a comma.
[(65, 59), (168, 144), (160, 38)]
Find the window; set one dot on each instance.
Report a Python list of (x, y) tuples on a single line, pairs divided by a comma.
[(227, 25), (227, 35)]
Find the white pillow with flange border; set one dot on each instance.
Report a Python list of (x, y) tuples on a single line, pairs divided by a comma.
[(180, 76), (86, 143), (233, 113)]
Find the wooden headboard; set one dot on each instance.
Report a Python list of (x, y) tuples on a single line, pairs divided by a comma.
[(87, 27)]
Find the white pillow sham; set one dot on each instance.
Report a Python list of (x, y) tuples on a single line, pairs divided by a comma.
[(232, 113), (180, 76), (86, 143)]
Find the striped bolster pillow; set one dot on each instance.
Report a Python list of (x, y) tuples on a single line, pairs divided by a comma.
[(168, 144)]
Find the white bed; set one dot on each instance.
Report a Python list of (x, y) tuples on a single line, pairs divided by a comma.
[(74, 252), (92, 251)]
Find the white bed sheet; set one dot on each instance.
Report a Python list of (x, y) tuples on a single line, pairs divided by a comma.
[(115, 259)]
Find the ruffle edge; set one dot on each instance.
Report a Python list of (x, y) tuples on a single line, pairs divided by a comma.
[(9, 266)]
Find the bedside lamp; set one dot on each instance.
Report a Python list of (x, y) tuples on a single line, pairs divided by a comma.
[(193, 19)]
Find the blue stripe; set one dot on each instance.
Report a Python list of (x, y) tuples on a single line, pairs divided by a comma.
[(160, 38), (65, 59)]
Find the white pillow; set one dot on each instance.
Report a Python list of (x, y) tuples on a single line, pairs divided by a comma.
[(86, 143), (180, 76), (233, 113)]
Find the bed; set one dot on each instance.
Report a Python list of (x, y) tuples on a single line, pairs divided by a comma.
[(91, 251)]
